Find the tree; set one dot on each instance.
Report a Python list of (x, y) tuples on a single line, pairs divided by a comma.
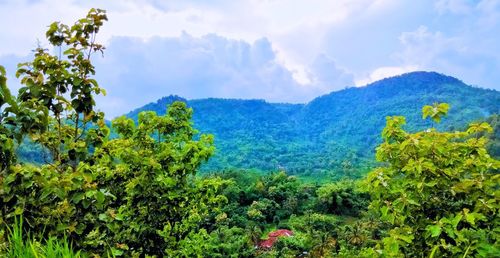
[(342, 198), (60, 122), (438, 190), (150, 169), (135, 194), (55, 108), (7, 155)]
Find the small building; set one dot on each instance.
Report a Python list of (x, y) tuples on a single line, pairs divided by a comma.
[(273, 237)]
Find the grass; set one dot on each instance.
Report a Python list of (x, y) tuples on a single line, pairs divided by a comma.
[(24, 245)]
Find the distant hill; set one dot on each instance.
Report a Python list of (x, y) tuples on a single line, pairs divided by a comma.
[(335, 134)]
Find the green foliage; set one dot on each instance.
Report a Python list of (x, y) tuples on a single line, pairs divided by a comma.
[(314, 222), (342, 198), (334, 136), (7, 103), (51, 202), (493, 144), (149, 170), (436, 111), (438, 191), (264, 203), (135, 194), (292, 246), (57, 103), (229, 242), (253, 134), (327, 235), (315, 232), (266, 199), (58, 198)]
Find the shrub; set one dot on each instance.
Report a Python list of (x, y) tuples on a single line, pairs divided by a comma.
[(437, 190)]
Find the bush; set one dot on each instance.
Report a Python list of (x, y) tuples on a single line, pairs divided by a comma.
[(438, 190)]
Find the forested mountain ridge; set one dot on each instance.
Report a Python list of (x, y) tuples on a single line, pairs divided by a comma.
[(335, 133)]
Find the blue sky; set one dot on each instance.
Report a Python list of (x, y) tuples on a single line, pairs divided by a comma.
[(281, 51)]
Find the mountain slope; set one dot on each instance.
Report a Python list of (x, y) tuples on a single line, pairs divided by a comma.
[(334, 134), (360, 112)]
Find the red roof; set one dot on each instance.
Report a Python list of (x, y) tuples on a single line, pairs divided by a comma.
[(273, 237), (268, 243), (280, 232)]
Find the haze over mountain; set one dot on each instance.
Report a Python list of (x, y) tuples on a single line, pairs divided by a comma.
[(334, 133)]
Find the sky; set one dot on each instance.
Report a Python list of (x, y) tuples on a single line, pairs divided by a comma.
[(277, 50)]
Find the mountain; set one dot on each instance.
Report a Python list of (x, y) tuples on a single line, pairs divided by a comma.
[(335, 134)]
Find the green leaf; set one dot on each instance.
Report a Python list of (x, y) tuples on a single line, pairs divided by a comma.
[(436, 247), (435, 230), (411, 201), (407, 238), (391, 246), (473, 217), (78, 197), (103, 217), (116, 252), (426, 111), (384, 210), (435, 112), (100, 197), (456, 220)]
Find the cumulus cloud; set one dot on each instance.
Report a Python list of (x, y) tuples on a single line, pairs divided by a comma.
[(276, 50), (136, 71), (328, 76), (470, 56), (423, 47), (384, 72), (461, 41)]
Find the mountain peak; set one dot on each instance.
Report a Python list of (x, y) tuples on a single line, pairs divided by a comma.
[(420, 77), (160, 106)]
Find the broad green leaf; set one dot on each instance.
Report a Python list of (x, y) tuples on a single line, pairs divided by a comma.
[(435, 230)]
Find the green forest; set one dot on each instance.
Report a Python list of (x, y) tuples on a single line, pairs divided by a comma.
[(333, 136), (405, 167)]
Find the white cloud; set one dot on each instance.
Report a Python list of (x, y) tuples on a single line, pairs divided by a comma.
[(384, 72), (278, 20), (363, 40), (135, 71), (328, 76), (28, 22), (423, 47)]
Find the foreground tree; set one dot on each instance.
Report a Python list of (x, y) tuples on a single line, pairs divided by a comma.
[(133, 195), (439, 191), (149, 169), (55, 109)]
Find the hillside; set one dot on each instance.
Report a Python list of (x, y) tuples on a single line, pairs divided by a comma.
[(334, 134)]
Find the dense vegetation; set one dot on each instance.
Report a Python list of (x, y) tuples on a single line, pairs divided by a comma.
[(135, 193), (333, 136), (132, 190)]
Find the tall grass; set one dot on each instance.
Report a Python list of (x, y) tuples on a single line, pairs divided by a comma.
[(24, 245)]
